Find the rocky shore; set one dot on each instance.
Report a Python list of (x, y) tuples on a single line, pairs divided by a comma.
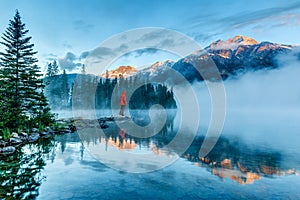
[(63, 126), (8, 147)]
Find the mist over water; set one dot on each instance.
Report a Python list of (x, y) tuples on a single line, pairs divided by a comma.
[(263, 107)]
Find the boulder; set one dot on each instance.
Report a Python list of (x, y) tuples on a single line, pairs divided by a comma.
[(15, 135), (23, 134), (2, 143), (15, 141), (72, 128), (33, 137), (7, 150), (34, 130), (48, 129), (46, 134)]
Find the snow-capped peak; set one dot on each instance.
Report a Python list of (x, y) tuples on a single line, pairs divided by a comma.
[(232, 43)]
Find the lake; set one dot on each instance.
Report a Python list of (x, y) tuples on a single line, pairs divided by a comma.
[(256, 157)]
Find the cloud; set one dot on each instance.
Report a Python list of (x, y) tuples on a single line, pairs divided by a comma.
[(276, 17), (82, 25), (154, 35), (69, 62), (101, 52), (167, 43), (122, 47), (241, 20), (161, 36), (141, 52), (84, 55), (50, 57)]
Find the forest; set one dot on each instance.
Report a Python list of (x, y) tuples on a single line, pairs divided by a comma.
[(62, 89)]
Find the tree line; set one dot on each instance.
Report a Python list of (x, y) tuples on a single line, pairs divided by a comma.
[(104, 92)]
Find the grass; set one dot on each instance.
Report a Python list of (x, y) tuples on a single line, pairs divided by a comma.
[(6, 133), (41, 128), (57, 126)]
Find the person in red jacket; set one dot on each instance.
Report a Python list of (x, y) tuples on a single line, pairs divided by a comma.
[(123, 102)]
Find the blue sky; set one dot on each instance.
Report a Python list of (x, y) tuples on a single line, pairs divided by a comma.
[(66, 29)]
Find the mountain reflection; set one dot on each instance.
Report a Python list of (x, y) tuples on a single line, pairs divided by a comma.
[(231, 158), (120, 143), (234, 160)]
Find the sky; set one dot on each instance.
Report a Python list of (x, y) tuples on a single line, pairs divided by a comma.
[(67, 30)]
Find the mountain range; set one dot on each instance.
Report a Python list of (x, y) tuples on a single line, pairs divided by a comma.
[(232, 57)]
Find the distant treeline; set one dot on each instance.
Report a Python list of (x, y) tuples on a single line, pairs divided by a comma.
[(104, 92)]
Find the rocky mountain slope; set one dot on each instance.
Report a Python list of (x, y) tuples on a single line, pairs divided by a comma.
[(122, 71), (233, 56)]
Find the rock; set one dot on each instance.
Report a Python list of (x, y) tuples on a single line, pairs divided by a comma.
[(15, 141), (1, 137), (64, 131), (48, 129), (33, 137), (72, 128), (34, 130), (7, 150), (2, 143), (44, 133), (23, 134), (15, 135)]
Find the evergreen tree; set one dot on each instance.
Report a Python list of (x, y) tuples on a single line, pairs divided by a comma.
[(52, 69), (49, 70), (55, 69), (20, 77)]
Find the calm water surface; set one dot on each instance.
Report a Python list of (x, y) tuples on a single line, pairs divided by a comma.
[(241, 166)]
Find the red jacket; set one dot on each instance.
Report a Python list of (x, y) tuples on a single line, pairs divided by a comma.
[(123, 101)]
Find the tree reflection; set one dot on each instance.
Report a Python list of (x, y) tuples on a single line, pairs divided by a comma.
[(21, 172)]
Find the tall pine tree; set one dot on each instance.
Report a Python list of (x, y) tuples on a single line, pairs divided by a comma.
[(52, 69), (20, 78)]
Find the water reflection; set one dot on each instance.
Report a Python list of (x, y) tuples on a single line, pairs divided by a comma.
[(231, 157), (243, 164), (22, 174)]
